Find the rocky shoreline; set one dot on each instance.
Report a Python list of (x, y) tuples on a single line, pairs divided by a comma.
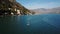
[(12, 7)]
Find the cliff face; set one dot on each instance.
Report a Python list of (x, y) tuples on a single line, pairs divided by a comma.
[(12, 0), (12, 7)]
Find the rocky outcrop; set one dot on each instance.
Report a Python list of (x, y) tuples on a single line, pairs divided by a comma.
[(11, 7)]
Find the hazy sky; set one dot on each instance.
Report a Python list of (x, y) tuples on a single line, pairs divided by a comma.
[(34, 4)]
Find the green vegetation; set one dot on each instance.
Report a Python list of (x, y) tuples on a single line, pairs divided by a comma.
[(12, 8)]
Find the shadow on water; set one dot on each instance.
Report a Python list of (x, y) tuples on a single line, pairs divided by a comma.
[(32, 24)]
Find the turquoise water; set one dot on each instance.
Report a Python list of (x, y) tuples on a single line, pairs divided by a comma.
[(32, 24)]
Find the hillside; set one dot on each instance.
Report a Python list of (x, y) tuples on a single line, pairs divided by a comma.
[(47, 11), (12, 7)]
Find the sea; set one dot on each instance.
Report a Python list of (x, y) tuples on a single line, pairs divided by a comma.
[(30, 24)]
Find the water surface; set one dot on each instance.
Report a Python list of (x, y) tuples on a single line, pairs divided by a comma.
[(32, 24)]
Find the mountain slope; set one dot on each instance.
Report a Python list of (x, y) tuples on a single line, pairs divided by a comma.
[(12, 7), (47, 11)]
